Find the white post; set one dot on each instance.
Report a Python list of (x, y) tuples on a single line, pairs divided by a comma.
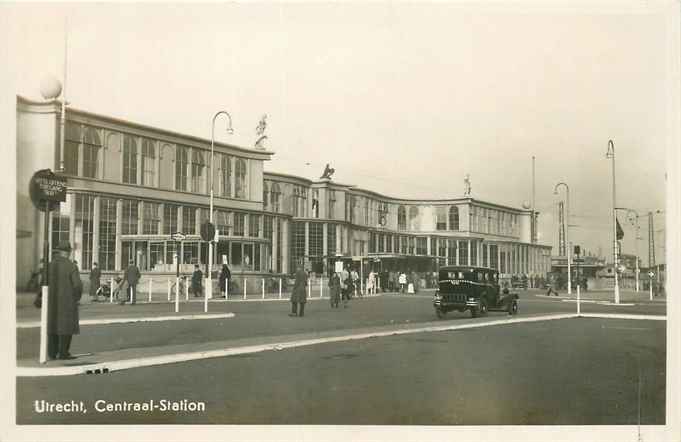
[(263, 288), (43, 325), (279, 288), (150, 285), (226, 289), (111, 291), (309, 288), (177, 295), (578, 301), (244, 288), (321, 288), (169, 290), (186, 290), (650, 287), (205, 299)]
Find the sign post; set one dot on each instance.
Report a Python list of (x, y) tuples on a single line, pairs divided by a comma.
[(46, 190), (178, 237), (650, 284)]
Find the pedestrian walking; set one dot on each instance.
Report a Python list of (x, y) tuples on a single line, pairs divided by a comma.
[(299, 293), (95, 275), (355, 282), (334, 288), (346, 286), (402, 279), (225, 276), (132, 277), (65, 290), (371, 283), (197, 281)]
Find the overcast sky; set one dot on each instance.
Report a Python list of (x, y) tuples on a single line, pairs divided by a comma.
[(402, 99)]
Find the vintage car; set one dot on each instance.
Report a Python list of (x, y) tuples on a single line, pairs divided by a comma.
[(471, 288)]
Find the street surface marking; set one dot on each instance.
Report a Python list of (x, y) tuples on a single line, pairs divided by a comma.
[(624, 316), (592, 301), (36, 324), (626, 328)]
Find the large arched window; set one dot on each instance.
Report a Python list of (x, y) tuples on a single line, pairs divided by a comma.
[(130, 160), (91, 145), (401, 218), (71, 147), (181, 164), (413, 218), (453, 218), (198, 167), (275, 197), (148, 162), (240, 179), (225, 176)]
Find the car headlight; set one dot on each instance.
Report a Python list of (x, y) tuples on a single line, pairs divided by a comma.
[(437, 296), (471, 299)]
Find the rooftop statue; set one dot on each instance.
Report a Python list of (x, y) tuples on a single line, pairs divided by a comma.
[(328, 171), (467, 185), (260, 133)]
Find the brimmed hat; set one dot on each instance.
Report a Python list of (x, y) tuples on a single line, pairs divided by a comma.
[(63, 245)]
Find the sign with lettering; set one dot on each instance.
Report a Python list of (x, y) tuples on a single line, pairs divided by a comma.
[(47, 187)]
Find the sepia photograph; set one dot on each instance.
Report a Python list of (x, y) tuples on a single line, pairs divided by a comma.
[(341, 220)]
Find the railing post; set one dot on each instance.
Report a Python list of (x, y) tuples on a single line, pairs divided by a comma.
[(226, 289), (263, 288), (578, 301), (309, 288), (111, 291), (169, 290), (150, 285), (43, 324), (244, 288), (279, 288), (186, 290), (321, 287)]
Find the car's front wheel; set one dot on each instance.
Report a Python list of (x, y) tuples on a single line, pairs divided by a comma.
[(513, 310)]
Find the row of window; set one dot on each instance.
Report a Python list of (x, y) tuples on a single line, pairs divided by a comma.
[(141, 162)]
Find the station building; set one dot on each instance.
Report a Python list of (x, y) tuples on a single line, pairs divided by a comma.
[(131, 186)]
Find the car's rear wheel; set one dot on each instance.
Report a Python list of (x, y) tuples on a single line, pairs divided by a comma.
[(474, 312)]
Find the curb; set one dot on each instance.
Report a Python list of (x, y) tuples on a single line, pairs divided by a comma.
[(36, 324)]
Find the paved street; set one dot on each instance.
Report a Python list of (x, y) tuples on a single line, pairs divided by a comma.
[(567, 371)]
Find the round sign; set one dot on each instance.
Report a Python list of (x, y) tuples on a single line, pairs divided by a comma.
[(207, 231), (46, 188), (651, 274), (178, 236)]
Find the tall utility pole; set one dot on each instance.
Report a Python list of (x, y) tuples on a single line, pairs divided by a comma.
[(561, 228), (611, 155), (533, 223)]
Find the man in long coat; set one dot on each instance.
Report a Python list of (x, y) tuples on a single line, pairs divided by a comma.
[(299, 293), (65, 290), (132, 277)]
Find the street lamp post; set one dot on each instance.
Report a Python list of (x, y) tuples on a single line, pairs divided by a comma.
[(209, 277), (567, 231), (611, 154), (636, 238)]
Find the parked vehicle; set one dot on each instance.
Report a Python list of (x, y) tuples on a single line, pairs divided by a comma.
[(476, 289)]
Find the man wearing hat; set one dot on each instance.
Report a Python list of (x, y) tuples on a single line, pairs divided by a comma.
[(65, 290), (132, 277)]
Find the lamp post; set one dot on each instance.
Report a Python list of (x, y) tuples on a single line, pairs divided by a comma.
[(567, 231), (636, 238), (611, 154), (209, 277)]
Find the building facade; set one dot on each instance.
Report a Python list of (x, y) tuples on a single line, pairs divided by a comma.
[(130, 187)]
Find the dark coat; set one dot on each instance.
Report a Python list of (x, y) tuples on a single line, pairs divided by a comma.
[(65, 290), (299, 294), (132, 275), (335, 287), (95, 275), (197, 277), (224, 276)]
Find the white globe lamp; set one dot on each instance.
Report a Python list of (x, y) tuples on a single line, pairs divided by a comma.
[(50, 88)]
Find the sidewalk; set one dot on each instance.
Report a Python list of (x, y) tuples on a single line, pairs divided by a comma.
[(602, 295)]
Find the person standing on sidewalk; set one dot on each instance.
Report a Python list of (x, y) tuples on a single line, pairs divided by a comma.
[(355, 282), (132, 277), (197, 281), (95, 276), (225, 276), (299, 293), (65, 290), (402, 281), (334, 287)]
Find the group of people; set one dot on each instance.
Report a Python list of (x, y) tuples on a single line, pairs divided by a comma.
[(196, 287)]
